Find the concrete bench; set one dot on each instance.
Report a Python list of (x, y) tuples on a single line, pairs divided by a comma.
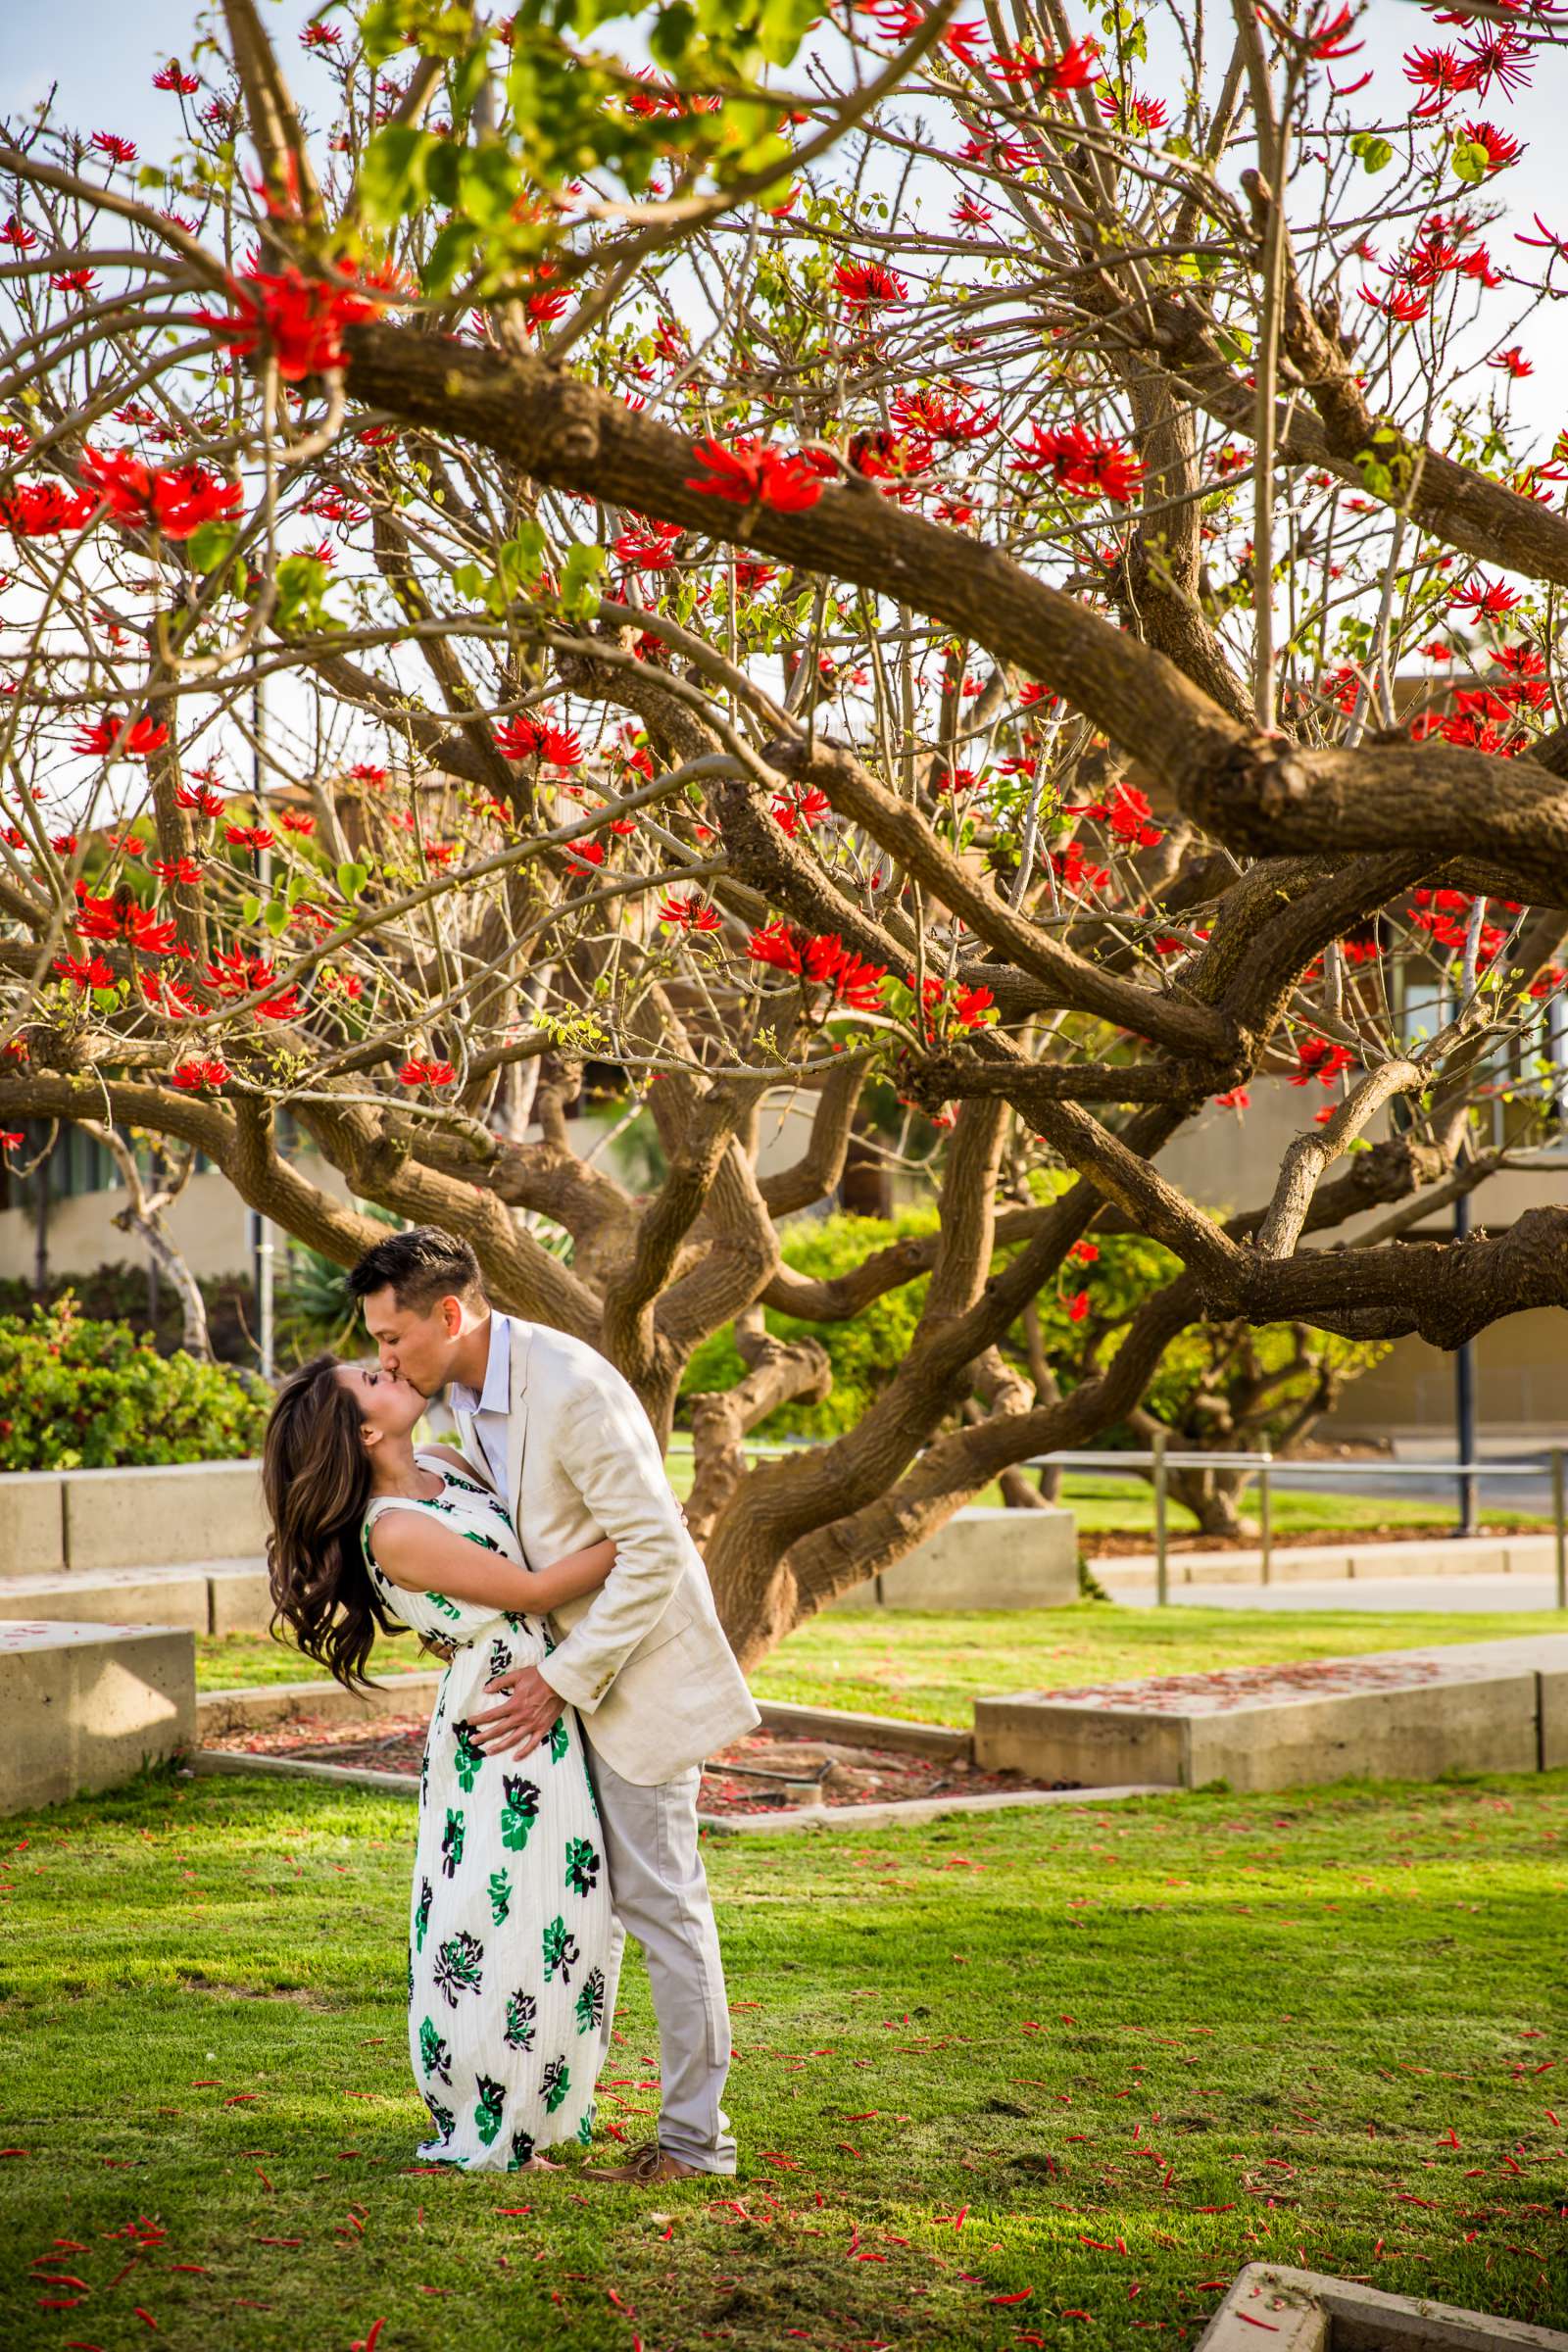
[(85, 1707), (983, 1558), (1477, 1706)]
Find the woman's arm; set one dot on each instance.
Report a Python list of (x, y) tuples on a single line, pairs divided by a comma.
[(414, 1552), (579, 1572)]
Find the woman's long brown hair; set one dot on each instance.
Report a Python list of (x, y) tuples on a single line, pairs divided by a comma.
[(316, 1476)]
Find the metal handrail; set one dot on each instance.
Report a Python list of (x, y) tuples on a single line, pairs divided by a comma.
[(1161, 1459)]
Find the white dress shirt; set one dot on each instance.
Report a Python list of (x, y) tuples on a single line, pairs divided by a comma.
[(492, 1407)]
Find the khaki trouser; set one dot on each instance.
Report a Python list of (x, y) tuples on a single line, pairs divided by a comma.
[(660, 1892)]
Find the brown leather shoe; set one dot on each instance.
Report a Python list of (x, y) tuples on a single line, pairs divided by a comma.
[(648, 2163)]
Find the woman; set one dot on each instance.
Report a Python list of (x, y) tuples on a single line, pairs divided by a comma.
[(511, 1917)]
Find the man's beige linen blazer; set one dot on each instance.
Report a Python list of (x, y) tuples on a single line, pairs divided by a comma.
[(644, 1659)]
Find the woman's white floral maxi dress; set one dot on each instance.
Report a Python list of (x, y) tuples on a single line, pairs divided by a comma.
[(510, 1917)]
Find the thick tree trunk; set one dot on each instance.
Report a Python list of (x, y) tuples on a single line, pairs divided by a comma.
[(1212, 1496)]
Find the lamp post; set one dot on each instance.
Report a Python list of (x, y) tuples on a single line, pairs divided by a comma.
[(263, 1245), (1464, 1395)]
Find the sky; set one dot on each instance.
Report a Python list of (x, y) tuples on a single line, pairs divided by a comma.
[(103, 55)]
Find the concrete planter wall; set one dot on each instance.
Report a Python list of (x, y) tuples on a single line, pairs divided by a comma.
[(984, 1558), (82, 1521), (184, 1546)]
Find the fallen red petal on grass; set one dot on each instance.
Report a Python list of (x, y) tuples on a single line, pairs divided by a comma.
[(1203, 2283), (241, 2099), (65, 2278), (1080, 2315), (367, 2343), (146, 2318), (190, 2266), (16, 2151), (1213, 2209), (514, 2209), (1022, 2296), (60, 2302)]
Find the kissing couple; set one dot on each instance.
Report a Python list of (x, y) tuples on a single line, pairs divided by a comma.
[(587, 1678)]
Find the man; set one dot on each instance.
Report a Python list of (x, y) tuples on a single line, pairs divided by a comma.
[(644, 1659)]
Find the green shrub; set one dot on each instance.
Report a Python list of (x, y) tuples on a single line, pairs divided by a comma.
[(77, 1395), (865, 1352), (1215, 1386)]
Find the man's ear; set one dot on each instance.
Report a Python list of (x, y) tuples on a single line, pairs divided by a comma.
[(452, 1317)]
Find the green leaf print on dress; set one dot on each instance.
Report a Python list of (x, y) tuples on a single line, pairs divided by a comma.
[(519, 1812), (447, 1608), (500, 1896), (554, 2083), (422, 1916), (522, 2150), (487, 2113), (559, 1739), (521, 2010), (589, 2002), (560, 1950), (470, 1758), (435, 2053), (582, 1866), (445, 2122), (458, 1967), (452, 1844)]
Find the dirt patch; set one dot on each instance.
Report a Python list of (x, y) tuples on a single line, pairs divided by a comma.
[(770, 1772)]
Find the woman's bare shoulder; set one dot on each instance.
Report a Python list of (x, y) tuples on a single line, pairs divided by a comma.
[(458, 1461)]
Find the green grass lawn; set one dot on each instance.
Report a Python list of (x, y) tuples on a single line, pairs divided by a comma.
[(929, 1668), (1026, 2079)]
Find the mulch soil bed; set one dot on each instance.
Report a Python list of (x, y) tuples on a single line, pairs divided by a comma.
[(771, 1772), (1242, 1686)]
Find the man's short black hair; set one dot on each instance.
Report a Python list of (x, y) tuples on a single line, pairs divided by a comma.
[(420, 1267)]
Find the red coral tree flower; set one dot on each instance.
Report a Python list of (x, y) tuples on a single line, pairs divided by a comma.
[(1084, 463), (867, 286), (301, 319), (120, 739), (748, 474)]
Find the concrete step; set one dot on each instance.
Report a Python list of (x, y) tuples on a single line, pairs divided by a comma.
[(221, 1596)]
